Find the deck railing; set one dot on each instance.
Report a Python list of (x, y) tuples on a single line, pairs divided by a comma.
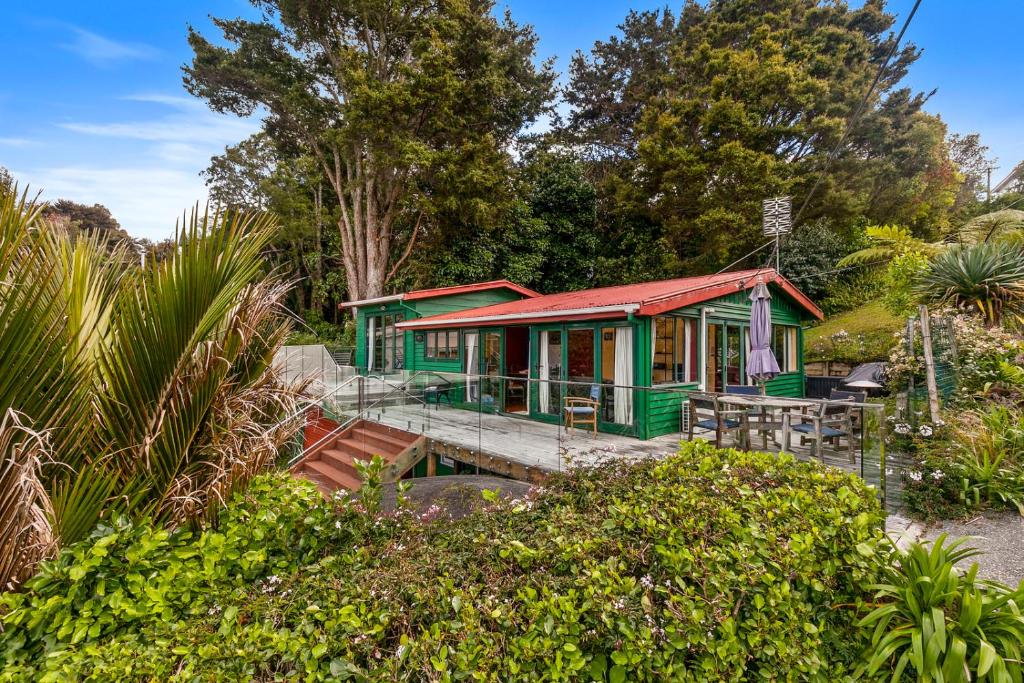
[(504, 417)]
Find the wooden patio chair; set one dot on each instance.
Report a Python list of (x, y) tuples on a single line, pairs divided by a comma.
[(583, 411), (707, 413), (833, 421)]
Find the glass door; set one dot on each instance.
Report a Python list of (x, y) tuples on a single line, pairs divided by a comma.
[(733, 360), (491, 371), (713, 358), (579, 362), (616, 376), (549, 367)]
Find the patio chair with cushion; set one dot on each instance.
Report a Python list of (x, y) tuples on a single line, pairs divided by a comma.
[(583, 411), (707, 413), (832, 421), (855, 396)]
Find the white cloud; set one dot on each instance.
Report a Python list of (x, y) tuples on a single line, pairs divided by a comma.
[(101, 51), (189, 122), (145, 200), (150, 187), (15, 142)]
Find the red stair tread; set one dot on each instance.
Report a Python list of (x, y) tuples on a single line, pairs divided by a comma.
[(333, 475)]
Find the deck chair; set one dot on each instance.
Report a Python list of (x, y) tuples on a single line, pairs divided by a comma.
[(833, 421), (583, 411), (707, 413)]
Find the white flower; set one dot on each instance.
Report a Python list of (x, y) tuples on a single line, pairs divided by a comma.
[(914, 476), (926, 430), (902, 428), (937, 475), (337, 524)]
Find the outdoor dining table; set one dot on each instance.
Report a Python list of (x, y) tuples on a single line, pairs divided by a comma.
[(783, 404)]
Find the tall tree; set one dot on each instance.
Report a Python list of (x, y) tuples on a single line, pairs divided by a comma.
[(695, 118), (408, 106), (257, 175)]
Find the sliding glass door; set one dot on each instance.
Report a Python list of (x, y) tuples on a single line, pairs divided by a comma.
[(726, 354), (583, 361), (384, 349)]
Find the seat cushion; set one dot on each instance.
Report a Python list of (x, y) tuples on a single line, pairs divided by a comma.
[(805, 428), (712, 424), (579, 410)]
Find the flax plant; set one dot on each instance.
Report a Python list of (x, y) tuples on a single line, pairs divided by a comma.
[(147, 393)]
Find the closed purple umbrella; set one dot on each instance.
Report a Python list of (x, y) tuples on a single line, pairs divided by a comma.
[(761, 366)]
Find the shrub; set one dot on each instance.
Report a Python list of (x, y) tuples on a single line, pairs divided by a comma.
[(989, 457), (986, 277), (943, 625), (709, 565)]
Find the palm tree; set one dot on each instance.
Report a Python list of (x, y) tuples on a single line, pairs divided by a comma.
[(988, 277), (887, 242), (148, 393), (1003, 225)]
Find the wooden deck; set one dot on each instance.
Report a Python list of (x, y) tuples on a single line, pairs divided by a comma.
[(549, 447)]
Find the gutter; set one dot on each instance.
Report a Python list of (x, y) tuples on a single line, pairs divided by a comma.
[(376, 300), (628, 309)]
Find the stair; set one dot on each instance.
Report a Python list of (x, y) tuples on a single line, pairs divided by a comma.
[(331, 465)]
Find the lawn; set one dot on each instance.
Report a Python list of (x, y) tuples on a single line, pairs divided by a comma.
[(859, 336)]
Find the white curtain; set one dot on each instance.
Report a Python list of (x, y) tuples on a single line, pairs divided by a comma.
[(543, 370), (472, 371), (371, 342), (623, 375)]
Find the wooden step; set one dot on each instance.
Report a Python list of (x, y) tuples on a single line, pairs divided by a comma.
[(386, 430), (358, 449), (340, 460), (386, 442), (324, 473)]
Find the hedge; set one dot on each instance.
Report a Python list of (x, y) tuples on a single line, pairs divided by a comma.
[(709, 565)]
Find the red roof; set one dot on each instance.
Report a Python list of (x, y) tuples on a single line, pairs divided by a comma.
[(646, 298), (465, 289), (446, 291)]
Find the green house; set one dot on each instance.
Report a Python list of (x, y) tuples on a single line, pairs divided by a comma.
[(636, 349)]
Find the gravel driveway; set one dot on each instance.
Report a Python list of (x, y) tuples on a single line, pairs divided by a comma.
[(1000, 535)]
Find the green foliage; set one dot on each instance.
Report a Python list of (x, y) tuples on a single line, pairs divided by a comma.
[(545, 239), (887, 242), (850, 292), (942, 625), (864, 334), (153, 390), (902, 275), (709, 565), (989, 457), (810, 255), (128, 577), (987, 277), (407, 107), (692, 119)]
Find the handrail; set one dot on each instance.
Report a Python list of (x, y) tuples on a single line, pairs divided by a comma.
[(359, 415)]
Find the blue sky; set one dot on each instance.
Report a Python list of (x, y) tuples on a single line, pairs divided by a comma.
[(92, 108)]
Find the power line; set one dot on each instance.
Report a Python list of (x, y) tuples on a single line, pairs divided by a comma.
[(858, 112), (837, 270), (745, 257)]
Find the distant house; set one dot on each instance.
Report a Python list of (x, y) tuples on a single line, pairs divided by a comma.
[(508, 349), (1013, 182)]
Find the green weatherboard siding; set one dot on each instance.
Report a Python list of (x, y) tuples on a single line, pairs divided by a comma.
[(413, 351), (657, 410)]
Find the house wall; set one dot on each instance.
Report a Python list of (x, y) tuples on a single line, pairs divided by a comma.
[(414, 351), (662, 406)]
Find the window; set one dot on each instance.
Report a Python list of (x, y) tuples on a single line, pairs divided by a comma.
[(442, 345), (784, 347), (674, 350)]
